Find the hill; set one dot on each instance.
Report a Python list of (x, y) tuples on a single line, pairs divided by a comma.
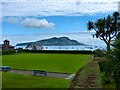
[(61, 41)]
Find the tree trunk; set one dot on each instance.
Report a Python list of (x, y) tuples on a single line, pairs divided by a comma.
[(108, 48)]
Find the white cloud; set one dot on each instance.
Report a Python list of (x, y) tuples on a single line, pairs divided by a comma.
[(58, 7), (12, 19), (36, 23)]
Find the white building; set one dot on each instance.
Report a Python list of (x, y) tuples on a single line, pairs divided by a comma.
[(30, 47)]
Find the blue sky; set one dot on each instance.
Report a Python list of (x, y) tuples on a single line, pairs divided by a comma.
[(62, 24), (32, 21)]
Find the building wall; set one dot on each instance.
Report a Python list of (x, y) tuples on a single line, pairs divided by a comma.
[(7, 48)]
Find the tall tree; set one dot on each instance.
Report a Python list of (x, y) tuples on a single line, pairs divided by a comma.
[(106, 29)]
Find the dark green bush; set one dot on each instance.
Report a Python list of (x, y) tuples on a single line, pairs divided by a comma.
[(8, 52), (99, 53), (116, 61), (107, 78), (19, 50), (106, 67)]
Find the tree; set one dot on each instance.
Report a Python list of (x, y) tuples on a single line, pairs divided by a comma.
[(106, 29)]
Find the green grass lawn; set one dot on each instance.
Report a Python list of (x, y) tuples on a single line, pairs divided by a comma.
[(11, 80), (65, 63)]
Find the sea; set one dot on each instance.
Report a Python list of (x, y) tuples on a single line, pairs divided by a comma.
[(72, 48), (69, 48)]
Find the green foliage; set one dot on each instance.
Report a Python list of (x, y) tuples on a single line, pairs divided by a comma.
[(105, 66), (20, 50), (99, 53), (66, 63), (107, 82), (106, 29), (99, 59), (116, 61), (107, 76), (8, 52)]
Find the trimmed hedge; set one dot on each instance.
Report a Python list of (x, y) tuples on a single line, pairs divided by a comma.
[(59, 51), (8, 52)]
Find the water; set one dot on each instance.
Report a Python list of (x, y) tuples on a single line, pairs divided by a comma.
[(71, 48)]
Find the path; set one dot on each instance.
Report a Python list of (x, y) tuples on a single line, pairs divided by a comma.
[(49, 74)]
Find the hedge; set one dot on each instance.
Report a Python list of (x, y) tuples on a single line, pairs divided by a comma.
[(59, 51)]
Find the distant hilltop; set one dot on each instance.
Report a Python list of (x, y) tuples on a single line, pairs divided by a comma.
[(61, 41)]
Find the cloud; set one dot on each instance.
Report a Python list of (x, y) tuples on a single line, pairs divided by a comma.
[(36, 23), (58, 7), (12, 19)]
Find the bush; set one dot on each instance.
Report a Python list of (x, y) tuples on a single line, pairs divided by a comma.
[(8, 52), (99, 53), (116, 61), (105, 68), (99, 59), (107, 78), (19, 50)]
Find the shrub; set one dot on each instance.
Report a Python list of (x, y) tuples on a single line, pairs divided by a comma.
[(99, 53), (116, 61), (19, 50), (107, 78), (105, 67), (8, 52), (100, 59)]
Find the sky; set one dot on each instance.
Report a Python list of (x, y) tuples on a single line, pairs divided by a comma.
[(32, 20)]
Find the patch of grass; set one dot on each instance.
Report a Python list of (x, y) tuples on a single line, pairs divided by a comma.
[(100, 59), (11, 80), (89, 76), (112, 85), (65, 63)]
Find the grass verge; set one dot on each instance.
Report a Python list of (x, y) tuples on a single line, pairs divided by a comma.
[(12, 80), (88, 77)]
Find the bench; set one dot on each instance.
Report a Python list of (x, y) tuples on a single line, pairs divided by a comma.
[(39, 72), (5, 68)]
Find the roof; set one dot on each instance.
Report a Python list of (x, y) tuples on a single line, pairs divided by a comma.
[(2, 45), (22, 46), (25, 46), (6, 40)]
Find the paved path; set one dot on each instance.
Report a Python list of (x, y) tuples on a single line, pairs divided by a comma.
[(49, 74)]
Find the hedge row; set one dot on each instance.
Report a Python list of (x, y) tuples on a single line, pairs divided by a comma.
[(8, 52), (59, 51)]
